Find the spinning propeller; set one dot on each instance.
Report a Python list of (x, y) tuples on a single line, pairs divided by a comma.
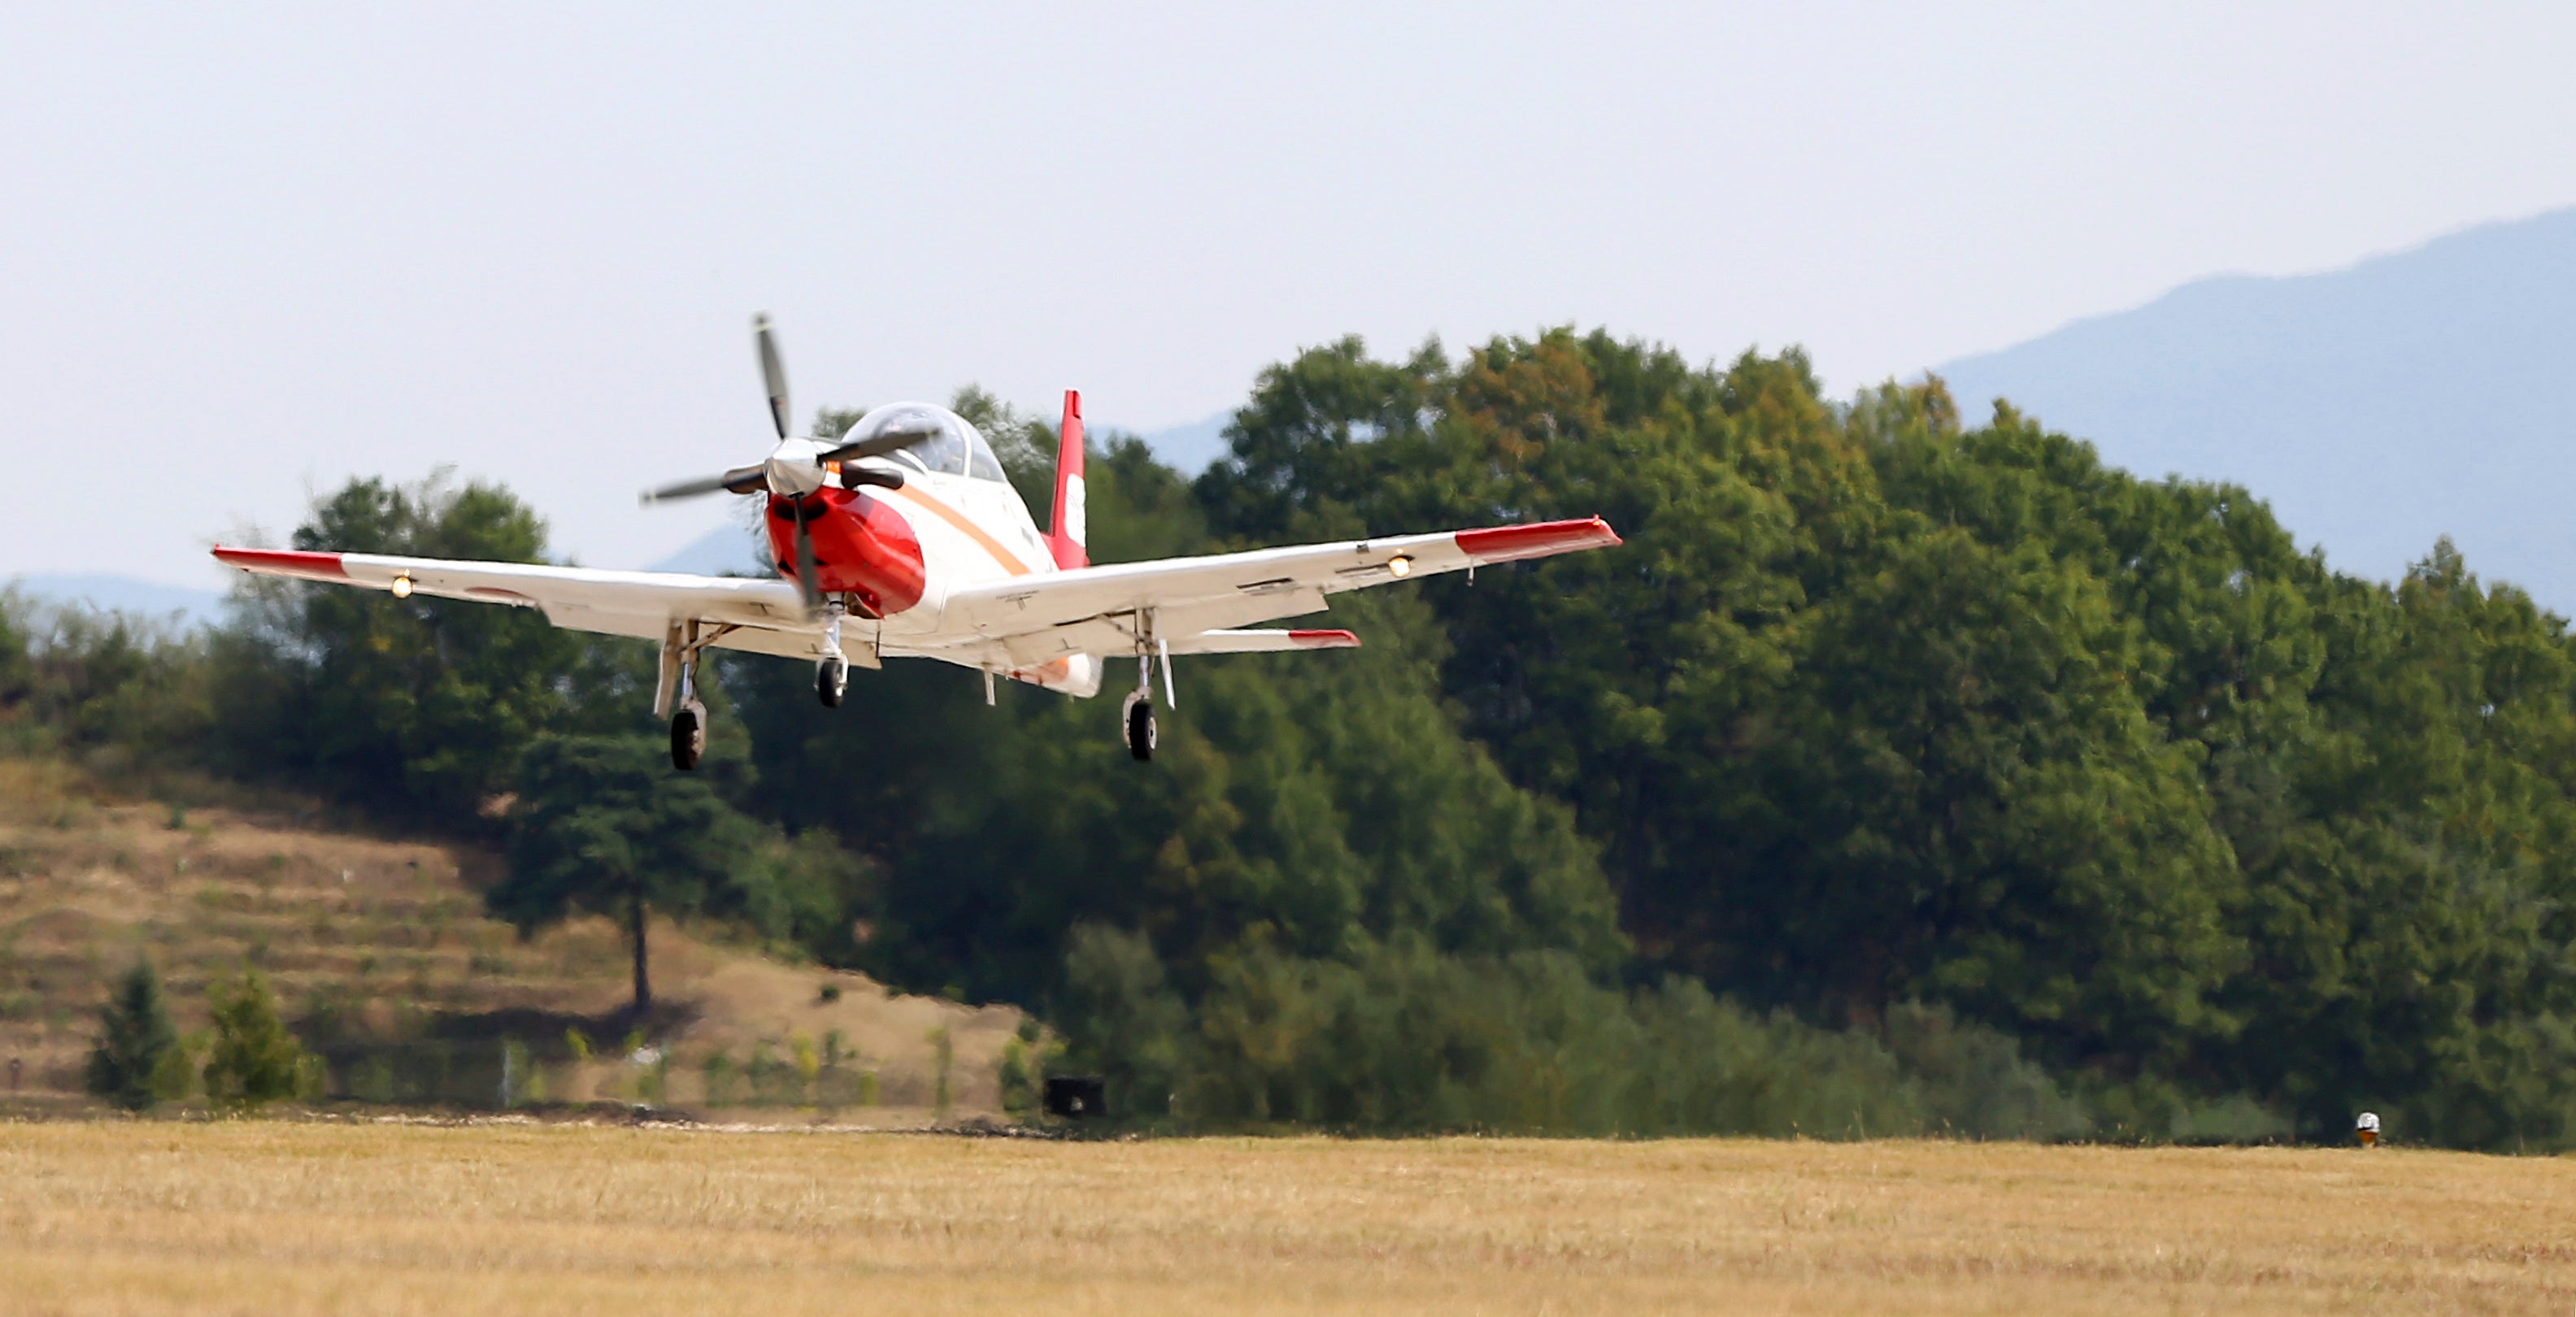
[(800, 465)]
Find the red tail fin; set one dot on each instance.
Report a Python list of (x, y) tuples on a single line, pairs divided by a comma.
[(1065, 524)]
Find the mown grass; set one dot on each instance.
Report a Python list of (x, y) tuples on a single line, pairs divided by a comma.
[(286, 1218)]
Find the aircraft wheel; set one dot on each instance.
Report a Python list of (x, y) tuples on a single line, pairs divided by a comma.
[(831, 680), (688, 737), (1140, 729)]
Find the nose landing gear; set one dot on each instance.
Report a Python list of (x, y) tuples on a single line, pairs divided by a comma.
[(832, 671)]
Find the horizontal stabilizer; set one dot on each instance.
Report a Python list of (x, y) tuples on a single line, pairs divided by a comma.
[(1263, 642)]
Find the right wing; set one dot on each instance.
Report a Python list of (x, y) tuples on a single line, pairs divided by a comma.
[(1102, 610), (765, 616)]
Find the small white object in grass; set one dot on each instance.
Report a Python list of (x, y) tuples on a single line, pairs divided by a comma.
[(645, 1056), (2366, 1128)]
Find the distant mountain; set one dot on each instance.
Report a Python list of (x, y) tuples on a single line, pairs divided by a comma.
[(724, 551), (2375, 408), (151, 599), (1191, 448)]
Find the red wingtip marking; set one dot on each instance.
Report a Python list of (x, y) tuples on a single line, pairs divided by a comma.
[(1323, 640), (285, 562), (1538, 540)]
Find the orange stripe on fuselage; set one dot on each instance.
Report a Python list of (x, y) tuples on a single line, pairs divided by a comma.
[(1010, 561)]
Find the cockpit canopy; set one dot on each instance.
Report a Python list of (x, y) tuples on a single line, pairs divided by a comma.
[(953, 448)]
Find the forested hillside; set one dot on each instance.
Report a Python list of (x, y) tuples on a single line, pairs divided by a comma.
[(1895, 775)]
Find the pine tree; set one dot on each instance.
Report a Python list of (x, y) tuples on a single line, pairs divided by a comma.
[(254, 1060), (135, 1039)]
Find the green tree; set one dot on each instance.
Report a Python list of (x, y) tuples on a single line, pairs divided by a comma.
[(603, 825), (136, 1041), (417, 706), (1123, 1020), (252, 1059)]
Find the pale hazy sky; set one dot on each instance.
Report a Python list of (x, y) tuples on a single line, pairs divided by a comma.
[(249, 250)]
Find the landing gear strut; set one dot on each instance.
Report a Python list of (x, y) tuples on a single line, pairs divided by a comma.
[(832, 671)]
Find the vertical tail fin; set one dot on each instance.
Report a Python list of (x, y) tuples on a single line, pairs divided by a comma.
[(1065, 532)]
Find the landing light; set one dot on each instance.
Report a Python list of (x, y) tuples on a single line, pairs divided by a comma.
[(402, 587), (1399, 565)]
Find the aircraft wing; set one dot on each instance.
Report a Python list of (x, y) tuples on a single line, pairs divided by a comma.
[(767, 616), (1099, 610)]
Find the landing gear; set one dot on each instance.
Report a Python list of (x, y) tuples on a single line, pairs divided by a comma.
[(677, 693), (688, 736), (1139, 715), (832, 671)]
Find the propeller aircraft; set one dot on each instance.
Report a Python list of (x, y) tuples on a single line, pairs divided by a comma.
[(901, 538)]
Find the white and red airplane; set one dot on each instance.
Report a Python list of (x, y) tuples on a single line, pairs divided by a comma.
[(902, 539)]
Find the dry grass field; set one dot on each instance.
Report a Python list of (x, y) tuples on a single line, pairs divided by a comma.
[(290, 1218)]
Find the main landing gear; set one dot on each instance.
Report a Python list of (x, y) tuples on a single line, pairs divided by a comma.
[(689, 720), (688, 736), (1137, 714), (1139, 718)]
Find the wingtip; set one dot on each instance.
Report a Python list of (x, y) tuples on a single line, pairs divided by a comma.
[(1537, 539), (283, 562)]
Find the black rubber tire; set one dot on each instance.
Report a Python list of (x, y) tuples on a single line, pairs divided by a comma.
[(1140, 729), (688, 738), (831, 680)]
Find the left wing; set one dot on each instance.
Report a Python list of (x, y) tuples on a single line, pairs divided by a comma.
[(1105, 610), (765, 616)]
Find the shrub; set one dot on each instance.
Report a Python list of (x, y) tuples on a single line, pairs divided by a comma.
[(1976, 1083), (716, 1075)]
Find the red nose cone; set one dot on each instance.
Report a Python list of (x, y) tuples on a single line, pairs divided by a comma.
[(861, 547)]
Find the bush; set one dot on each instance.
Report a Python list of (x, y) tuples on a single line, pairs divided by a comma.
[(1406, 1040), (1124, 1022), (1976, 1083), (131, 1063)]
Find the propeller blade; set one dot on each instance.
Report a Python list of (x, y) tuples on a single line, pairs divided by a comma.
[(773, 374), (878, 444), (740, 480), (807, 583)]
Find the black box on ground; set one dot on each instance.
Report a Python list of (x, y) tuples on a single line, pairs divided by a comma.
[(1076, 1097)]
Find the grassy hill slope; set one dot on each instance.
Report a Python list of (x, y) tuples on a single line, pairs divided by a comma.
[(382, 956)]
